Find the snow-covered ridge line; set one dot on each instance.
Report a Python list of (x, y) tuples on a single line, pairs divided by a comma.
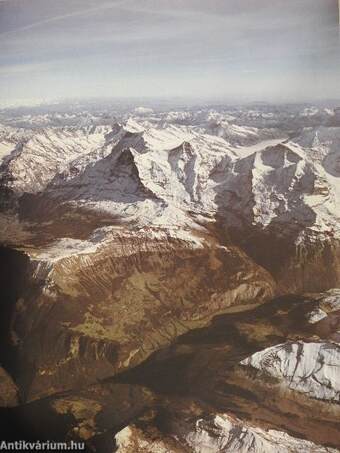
[(168, 174)]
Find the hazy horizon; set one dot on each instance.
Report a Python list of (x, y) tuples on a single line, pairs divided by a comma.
[(268, 50), (156, 103)]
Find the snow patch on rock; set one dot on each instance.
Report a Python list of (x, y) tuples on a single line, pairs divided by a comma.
[(223, 433), (309, 368)]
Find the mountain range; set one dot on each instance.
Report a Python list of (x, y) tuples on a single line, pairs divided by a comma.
[(170, 278)]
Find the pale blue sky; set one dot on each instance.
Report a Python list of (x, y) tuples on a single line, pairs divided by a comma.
[(212, 49)]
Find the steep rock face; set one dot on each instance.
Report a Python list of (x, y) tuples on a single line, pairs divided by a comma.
[(293, 263), (112, 179)]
